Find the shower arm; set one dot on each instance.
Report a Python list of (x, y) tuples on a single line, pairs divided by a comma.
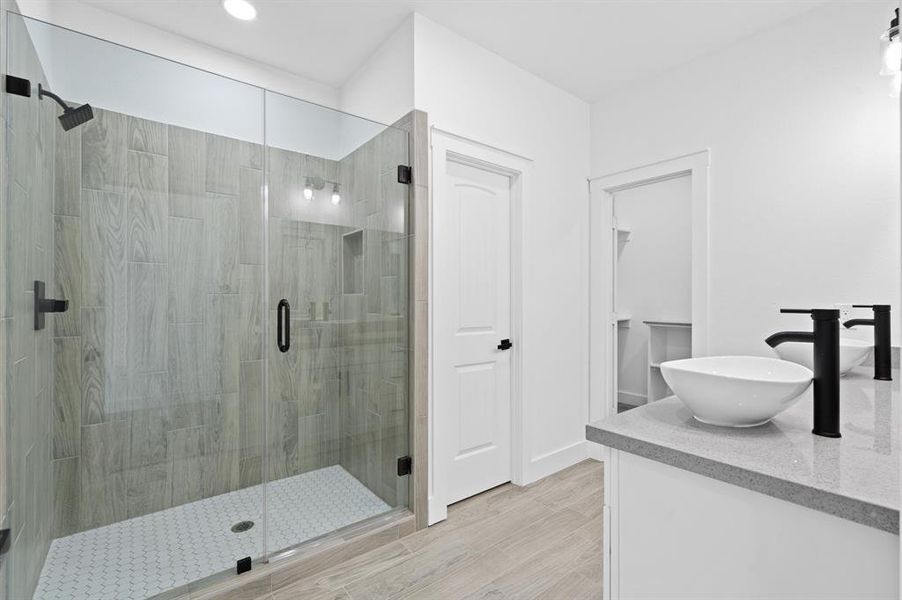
[(42, 92)]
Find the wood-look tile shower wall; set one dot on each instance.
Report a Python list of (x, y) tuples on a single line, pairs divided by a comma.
[(159, 246), (149, 221)]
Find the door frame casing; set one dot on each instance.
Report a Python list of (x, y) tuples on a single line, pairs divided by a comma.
[(602, 398), (445, 147)]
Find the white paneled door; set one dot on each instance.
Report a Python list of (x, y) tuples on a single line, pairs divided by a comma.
[(471, 321)]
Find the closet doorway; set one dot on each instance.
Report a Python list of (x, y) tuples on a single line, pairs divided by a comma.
[(652, 294), (649, 278)]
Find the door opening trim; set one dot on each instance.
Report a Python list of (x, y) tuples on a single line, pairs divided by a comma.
[(602, 396)]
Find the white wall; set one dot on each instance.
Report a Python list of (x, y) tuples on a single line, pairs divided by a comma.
[(382, 88), (471, 92), (804, 181)]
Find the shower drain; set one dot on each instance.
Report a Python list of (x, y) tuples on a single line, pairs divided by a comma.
[(242, 526)]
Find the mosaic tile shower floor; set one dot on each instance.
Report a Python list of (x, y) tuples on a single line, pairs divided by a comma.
[(148, 555)]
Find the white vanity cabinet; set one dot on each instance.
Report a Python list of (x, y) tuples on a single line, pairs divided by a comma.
[(674, 535)]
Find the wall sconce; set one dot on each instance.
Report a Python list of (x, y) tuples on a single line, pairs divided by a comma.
[(892, 55), (314, 184), (311, 184)]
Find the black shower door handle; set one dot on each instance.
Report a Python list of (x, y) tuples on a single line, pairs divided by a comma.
[(283, 325)]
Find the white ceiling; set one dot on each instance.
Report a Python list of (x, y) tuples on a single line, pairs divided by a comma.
[(588, 48)]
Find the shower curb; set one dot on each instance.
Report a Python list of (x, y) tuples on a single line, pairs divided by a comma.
[(290, 567)]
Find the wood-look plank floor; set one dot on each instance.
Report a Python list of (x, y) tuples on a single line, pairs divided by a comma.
[(541, 541)]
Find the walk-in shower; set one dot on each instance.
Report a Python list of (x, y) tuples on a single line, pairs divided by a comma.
[(164, 428)]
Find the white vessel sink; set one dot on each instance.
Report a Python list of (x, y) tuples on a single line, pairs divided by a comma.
[(852, 353), (736, 391)]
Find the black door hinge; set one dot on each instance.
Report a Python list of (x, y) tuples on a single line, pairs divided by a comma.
[(4, 541), (405, 464), (243, 565), (18, 86), (404, 175)]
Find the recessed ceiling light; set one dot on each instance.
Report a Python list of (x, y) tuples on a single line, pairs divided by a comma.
[(240, 9)]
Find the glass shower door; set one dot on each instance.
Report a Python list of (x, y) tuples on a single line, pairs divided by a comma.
[(337, 256), (135, 416)]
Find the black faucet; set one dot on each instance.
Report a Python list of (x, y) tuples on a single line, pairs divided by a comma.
[(883, 358), (825, 338)]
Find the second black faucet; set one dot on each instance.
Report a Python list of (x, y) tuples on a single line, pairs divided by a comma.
[(883, 357)]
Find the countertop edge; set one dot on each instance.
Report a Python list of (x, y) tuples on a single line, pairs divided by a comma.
[(851, 509)]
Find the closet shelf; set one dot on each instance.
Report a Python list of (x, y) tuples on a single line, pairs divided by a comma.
[(668, 340), (667, 324)]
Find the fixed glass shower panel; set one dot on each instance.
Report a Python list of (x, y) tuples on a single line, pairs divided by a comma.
[(135, 416), (337, 303)]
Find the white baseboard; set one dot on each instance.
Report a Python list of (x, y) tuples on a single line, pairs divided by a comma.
[(538, 468), (631, 398), (557, 460)]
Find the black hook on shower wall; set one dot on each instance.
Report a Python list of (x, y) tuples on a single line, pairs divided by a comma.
[(44, 305)]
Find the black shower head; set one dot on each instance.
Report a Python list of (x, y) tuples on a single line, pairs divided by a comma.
[(72, 116)]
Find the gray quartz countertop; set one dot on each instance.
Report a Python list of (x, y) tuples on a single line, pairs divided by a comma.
[(855, 477)]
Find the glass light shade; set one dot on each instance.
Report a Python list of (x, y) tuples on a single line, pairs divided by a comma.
[(336, 197), (308, 193)]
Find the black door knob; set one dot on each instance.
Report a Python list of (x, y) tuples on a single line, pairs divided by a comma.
[(505, 345)]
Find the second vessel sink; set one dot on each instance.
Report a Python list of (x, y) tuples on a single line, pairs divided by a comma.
[(736, 391), (852, 353)]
